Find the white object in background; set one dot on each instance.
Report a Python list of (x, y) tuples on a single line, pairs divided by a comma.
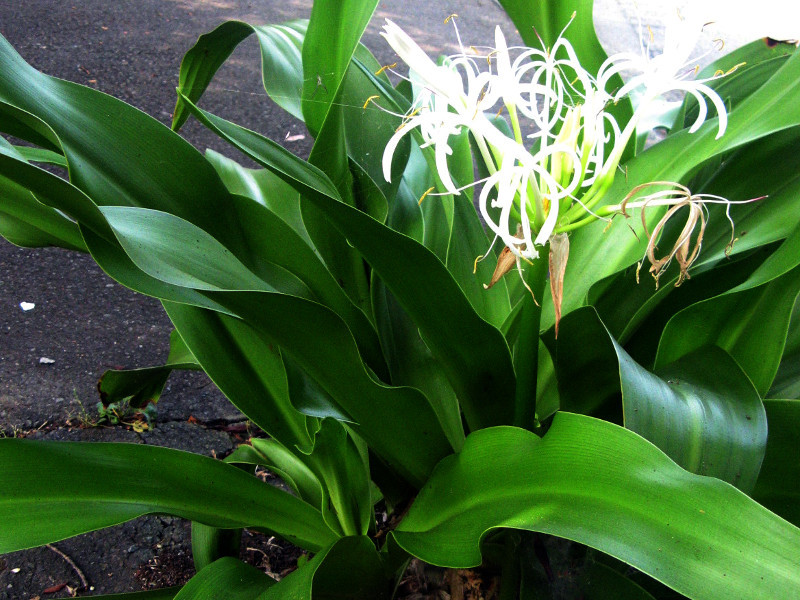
[(26, 306)]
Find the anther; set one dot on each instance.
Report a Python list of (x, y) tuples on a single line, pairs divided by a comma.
[(385, 68), (428, 191), (370, 99)]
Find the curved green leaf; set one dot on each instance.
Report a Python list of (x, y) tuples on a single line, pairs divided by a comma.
[(248, 370), (334, 30), (280, 57), (25, 221), (473, 353), (601, 485), (750, 323), (75, 487), (350, 568), (709, 420), (227, 578)]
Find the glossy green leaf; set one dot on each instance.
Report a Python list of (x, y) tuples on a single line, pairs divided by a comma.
[(229, 578), (336, 461), (279, 459), (750, 323), (78, 487), (264, 187), (709, 420), (349, 569), (323, 346), (702, 411), (778, 485), (24, 221), (212, 543), (334, 30), (604, 486), (150, 238), (248, 370), (750, 320), (473, 353), (412, 363), (281, 63)]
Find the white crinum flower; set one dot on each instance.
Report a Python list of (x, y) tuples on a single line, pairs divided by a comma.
[(671, 70), (561, 169)]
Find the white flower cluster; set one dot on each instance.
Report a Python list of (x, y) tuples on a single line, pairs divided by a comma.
[(540, 182)]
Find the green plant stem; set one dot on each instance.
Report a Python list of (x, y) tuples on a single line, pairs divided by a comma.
[(526, 352)]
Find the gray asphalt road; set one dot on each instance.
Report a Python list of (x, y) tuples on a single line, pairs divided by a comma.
[(84, 321)]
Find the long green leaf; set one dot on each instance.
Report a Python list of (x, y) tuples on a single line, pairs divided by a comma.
[(350, 568), (334, 29), (604, 486), (52, 491), (248, 370), (709, 420), (281, 63), (227, 578), (473, 353)]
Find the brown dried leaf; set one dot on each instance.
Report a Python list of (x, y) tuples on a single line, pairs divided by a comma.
[(505, 262), (559, 253)]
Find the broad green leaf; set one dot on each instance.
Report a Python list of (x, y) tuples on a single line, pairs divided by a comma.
[(702, 411), (601, 485), (412, 363), (25, 221), (473, 353), (262, 186), (750, 323), (778, 485), (77, 487), (116, 156), (336, 461), (151, 238), (248, 370), (281, 63), (212, 543), (350, 568), (227, 578), (334, 30), (710, 421), (397, 423)]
